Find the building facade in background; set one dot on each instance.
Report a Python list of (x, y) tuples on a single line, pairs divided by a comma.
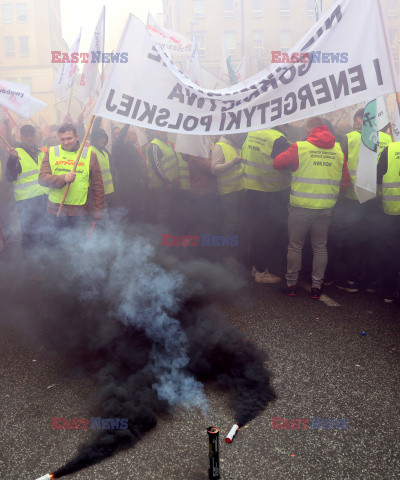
[(253, 27), (29, 31)]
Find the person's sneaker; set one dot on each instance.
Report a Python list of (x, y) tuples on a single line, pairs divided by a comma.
[(316, 293), (266, 277), (291, 291), (372, 287), (348, 286), (253, 271)]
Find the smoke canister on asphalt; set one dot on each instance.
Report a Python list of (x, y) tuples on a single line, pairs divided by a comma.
[(213, 443)]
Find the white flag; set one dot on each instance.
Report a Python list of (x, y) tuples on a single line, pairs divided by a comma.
[(194, 67), (173, 42), (66, 74), (167, 100), (87, 84), (15, 97), (35, 106)]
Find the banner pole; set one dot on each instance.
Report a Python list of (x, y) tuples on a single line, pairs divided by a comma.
[(76, 164), (5, 141)]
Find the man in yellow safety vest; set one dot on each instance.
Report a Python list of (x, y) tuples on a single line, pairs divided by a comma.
[(227, 166), (56, 173), (22, 171), (267, 199), (355, 223), (389, 238), (319, 174), (163, 178)]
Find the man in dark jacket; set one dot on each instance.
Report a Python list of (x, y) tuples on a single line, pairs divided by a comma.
[(129, 175)]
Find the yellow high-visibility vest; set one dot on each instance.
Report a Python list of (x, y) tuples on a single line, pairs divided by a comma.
[(169, 164), (391, 181), (184, 178), (316, 183), (62, 162), (233, 180), (259, 173), (104, 163), (26, 184)]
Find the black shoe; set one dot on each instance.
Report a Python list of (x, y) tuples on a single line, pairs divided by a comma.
[(316, 293), (348, 286), (291, 291)]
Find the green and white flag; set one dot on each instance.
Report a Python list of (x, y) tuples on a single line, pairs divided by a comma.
[(375, 118)]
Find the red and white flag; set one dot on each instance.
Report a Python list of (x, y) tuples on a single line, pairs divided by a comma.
[(64, 81), (88, 81)]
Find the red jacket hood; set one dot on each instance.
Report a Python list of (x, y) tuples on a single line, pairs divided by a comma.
[(321, 137)]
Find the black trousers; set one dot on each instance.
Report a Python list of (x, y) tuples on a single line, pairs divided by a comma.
[(32, 219), (267, 214)]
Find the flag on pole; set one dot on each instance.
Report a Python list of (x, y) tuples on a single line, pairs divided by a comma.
[(227, 66), (16, 97), (316, 10), (367, 160), (376, 117), (240, 70), (64, 81), (172, 42), (90, 73), (194, 67)]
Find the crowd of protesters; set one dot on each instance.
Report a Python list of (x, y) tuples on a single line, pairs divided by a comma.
[(256, 198)]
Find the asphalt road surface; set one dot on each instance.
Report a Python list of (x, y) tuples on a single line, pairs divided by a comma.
[(323, 367)]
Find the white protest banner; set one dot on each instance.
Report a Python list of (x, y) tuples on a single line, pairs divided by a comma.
[(88, 80), (283, 93), (173, 42), (66, 73), (396, 113), (199, 145), (15, 97)]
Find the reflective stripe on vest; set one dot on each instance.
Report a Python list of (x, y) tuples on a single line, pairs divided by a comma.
[(104, 163), (316, 183), (26, 184), (354, 141), (259, 173), (233, 180), (169, 164), (184, 178), (62, 162), (391, 181)]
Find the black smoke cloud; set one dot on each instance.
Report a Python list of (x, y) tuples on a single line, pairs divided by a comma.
[(144, 322)]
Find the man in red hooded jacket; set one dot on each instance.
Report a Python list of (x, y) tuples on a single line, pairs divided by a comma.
[(319, 176)]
